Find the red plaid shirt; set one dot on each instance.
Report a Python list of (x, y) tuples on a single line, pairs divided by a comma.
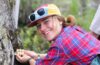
[(72, 46)]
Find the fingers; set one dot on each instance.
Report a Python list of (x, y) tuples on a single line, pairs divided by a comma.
[(24, 55), (20, 55), (19, 51), (30, 53)]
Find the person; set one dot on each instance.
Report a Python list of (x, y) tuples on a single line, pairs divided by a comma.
[(95, 31), (95, 25), (70, 45)]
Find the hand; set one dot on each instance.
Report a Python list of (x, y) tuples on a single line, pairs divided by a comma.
[(31, 54), (22, 58)]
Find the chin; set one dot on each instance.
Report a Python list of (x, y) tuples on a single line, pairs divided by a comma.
[(50, 38)]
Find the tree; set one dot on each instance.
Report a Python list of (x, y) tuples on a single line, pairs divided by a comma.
[(9, 38), (83, 7)]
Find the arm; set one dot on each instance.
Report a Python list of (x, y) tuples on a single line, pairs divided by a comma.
[(53, 57), (26, 55), (32, 62), (40, 55)]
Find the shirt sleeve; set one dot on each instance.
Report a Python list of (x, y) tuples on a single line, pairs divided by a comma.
[(53, 58)]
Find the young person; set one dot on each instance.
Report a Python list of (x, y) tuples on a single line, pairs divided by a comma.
[(95, 31), (70, 45)]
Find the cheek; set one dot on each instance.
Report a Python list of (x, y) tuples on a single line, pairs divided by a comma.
[(56, 26), (50, 25), (53, 24)]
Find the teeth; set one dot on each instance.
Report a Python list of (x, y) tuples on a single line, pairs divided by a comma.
[(46, 33)]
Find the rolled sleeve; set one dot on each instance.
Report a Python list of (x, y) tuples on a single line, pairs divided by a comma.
[(52, 58)]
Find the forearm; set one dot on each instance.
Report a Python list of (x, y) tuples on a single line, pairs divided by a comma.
[(39, 56), (32, 62), (42, 55)]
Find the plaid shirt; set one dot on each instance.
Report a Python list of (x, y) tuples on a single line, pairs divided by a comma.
[(72, 46)]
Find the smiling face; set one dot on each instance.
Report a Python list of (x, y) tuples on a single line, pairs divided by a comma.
[(49, 27)]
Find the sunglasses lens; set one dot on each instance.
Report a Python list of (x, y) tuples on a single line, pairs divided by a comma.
[(32, 17), (41, 12)]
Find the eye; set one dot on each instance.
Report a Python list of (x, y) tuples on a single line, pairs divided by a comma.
[(46, 21), (38, 26)]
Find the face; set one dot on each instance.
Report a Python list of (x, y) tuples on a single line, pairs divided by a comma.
[(50, 27)]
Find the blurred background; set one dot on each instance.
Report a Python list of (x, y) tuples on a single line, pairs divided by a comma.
[(83, 10)]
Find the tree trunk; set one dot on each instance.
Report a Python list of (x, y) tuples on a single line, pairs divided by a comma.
[(9, 38), (83, 7), (95, 3)]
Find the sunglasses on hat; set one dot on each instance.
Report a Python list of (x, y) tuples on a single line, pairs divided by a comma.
[(40, 12)]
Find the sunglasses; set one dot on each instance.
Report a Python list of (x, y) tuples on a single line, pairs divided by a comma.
[(33, 16)]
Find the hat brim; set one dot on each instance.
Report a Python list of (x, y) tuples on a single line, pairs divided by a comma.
[(32, 23), (36, 21)]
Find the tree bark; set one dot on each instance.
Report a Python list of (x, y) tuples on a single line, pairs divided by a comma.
[(83, 7), (9, 38), (95, 3)]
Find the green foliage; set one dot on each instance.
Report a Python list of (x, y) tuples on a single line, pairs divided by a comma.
[(32, 40), (35, 3), (83, 18), (74, 7), (84, 21)]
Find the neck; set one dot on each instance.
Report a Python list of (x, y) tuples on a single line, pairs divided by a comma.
[(57, 35)]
